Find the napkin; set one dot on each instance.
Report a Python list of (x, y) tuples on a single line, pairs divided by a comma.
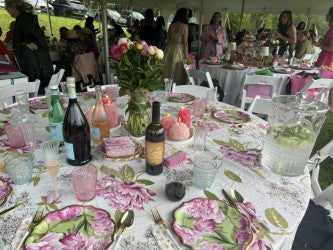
[(175, 159), (22, 229), (264, 72), (161, 237)]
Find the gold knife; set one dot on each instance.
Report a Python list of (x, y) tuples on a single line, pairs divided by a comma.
[(12, 208)]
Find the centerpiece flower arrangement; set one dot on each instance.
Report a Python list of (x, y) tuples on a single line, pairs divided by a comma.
[(190, 61), (139, 71)]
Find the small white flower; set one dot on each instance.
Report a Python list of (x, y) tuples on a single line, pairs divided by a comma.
[(122, 40), (130, 44), (139, 46)]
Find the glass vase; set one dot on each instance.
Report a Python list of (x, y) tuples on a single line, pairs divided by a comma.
[(138, 112)]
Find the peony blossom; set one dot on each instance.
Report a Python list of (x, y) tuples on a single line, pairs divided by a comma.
[(130, 44), (122, 195), (123, 48), (4, 189), (187, 235), (75, 241), (204, 226), (259, 244), (122, 40), (144, 44), (159, 54), (117, 55), (205, 209), (209, 246), (151, 50), (70, 212), (247, 209), (97, 244), (139, 46), (144, 52), (49, 241), (115, 49), (51, 197)]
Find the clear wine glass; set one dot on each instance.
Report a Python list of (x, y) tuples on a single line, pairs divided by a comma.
[(29, 134), (21, 99), (50, 150)]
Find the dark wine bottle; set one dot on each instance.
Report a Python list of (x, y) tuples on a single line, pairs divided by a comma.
[(76, 131), (154, 144)]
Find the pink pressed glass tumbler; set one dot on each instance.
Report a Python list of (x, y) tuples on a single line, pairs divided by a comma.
[(199, 107), (15, 135), (84, 181)]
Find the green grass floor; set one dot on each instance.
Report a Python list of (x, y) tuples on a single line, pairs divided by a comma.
[(326, 167)]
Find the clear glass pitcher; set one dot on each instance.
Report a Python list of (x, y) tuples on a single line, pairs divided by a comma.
[(294, 123)]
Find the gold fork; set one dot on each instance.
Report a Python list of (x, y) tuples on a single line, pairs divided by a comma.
[(158, 220), (35, 220)]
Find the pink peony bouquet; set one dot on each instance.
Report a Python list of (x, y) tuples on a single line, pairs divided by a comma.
[(139, 65), (190, 59)]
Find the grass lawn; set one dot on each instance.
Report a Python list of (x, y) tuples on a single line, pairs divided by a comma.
[(326, 167)]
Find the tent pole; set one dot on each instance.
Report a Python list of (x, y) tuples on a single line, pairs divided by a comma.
[(200, 25), (131, 9), (48, 15), (242, 14), (106, 44), (307, 18)]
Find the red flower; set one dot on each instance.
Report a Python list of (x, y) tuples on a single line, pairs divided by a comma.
[(116, 55), (123, 47)]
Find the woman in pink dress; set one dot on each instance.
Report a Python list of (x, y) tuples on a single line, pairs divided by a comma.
[(213, 37), (326, 55)]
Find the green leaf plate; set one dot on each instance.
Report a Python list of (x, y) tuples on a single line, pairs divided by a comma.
[(211, 224), (180, 97), (231, 116), (73, 227)]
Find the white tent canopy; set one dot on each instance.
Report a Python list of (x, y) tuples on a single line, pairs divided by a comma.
[(313, 7)]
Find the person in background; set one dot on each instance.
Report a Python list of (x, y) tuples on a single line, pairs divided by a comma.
[(325, 58), (160, 34), (29, 43), (88, 39), (231, 35), (176, 49), (190, 33), (213, 37), (77, 28), (147, 26), (117, 31), (90, 25), (286, 33), (303, 45), (4, 50), (73, 48), (10, 33), (63, 35), (300, 26)]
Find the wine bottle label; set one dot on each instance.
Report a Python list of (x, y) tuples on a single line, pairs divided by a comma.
[(95, 133), (56, 131), (154, 152), (69, 151)]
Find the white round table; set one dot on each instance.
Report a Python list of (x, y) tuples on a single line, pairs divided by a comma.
[(275, 198)]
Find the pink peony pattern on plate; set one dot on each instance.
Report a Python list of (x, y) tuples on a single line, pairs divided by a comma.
[(5, 191), (244, 158), (180, 97), (231, 116), (121, 195), (76, 227), (209, 126)]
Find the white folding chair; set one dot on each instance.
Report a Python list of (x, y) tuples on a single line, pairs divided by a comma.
[(92, 89), (195, 90), (7, 92), (260, 106), (272, 83), (321, 197), (55, 80), (197, 76), (324, 84)]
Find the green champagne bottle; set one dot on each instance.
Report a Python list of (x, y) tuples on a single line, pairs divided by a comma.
[(56, 115)]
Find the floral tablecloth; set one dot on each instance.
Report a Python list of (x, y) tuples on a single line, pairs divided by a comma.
[(277, 201)]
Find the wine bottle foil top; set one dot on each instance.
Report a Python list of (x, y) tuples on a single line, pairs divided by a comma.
[(70, 80)]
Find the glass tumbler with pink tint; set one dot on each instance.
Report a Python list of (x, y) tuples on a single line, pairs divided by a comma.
[(199, 107), (112, 92), (84, 181), (15, 135)]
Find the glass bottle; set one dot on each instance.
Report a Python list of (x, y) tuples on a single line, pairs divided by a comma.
[(99, 119), (56, 115)]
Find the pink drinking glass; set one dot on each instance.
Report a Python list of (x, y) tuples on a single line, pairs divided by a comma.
[(84, 180), (112, 92), (199, 107), (15, 136)]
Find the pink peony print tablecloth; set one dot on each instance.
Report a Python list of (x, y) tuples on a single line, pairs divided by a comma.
[(122, 185)]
